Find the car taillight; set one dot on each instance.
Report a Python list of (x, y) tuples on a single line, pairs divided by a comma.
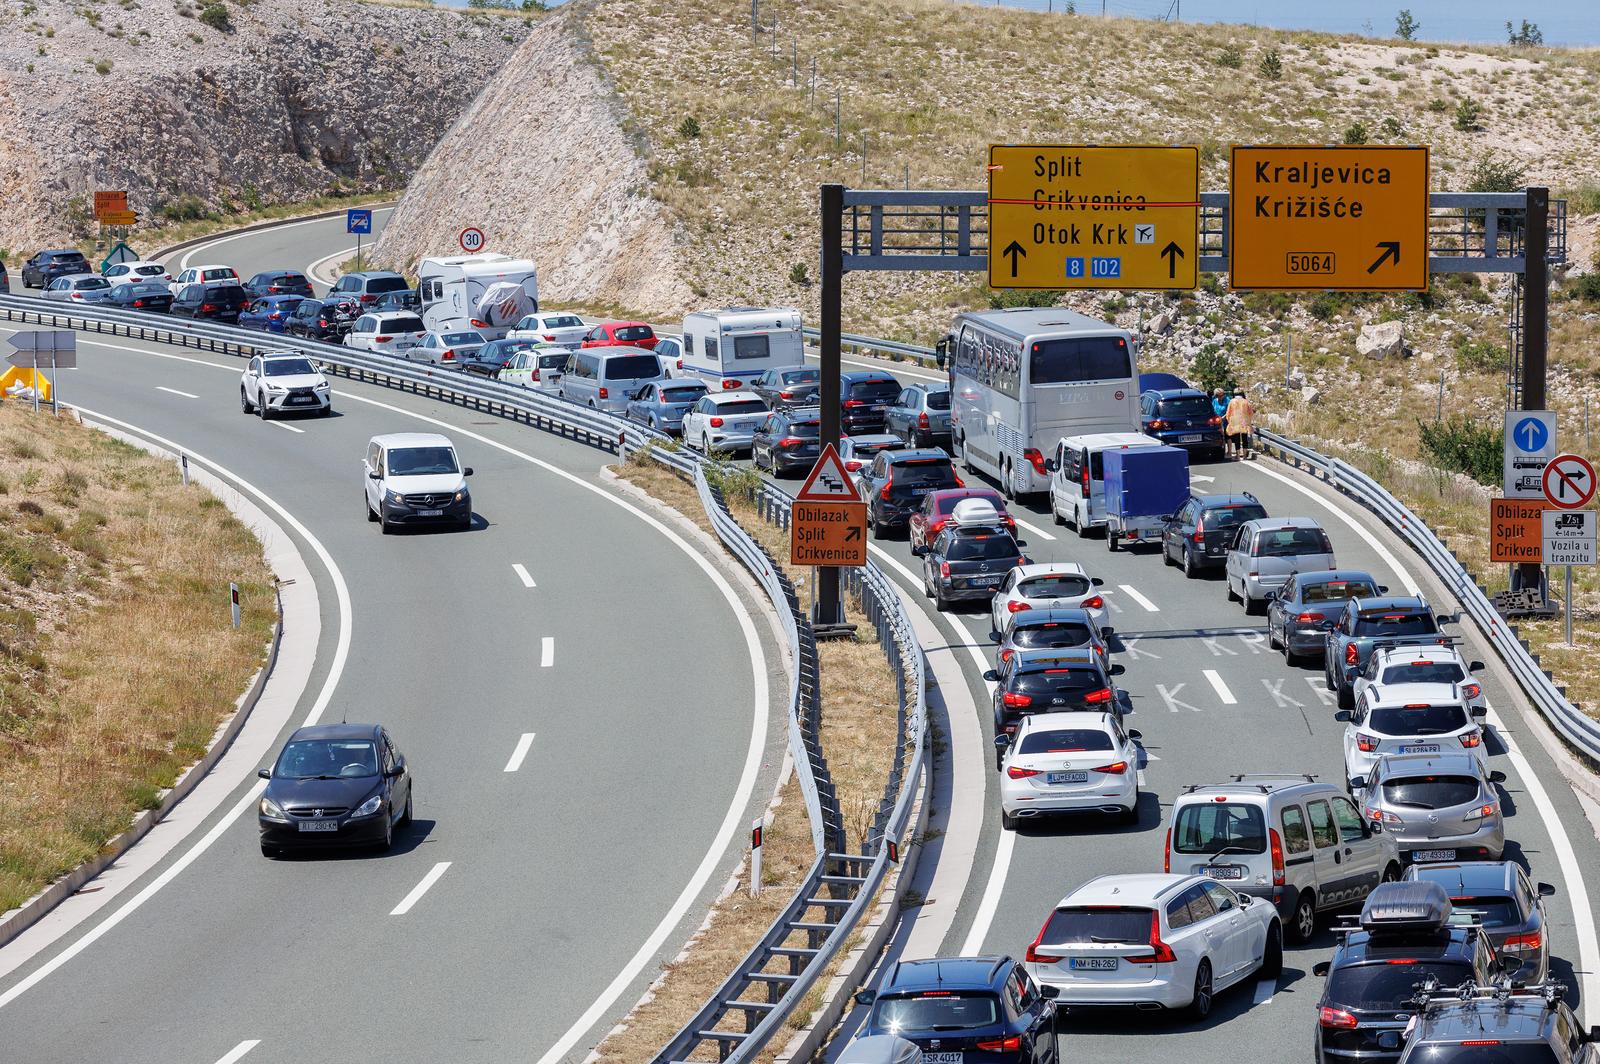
[(203, 306), (368, 298), (1036, 459), (785, 395), (1275, 842), (1160, 952), (1033, 953), (534, 375), (1472, 690), (1002, 1045), (1157, 423), (1310, 618), (1213, 421), (1531, 941), (922, 423), (450, 356), (937, 526), (549, 337), (138, 302), (1351, 655), (1366, 743), (1336, 1019), (1116, 768), (789, 441), (1015, 606), (476, 324), (381, 339), (273, 289), (322, 323), (680, 363), (728, 386), (1086, 488), (716, 422), (944, 569), (852, 466), (1095, 603), (1166, 853), (1096, 697), (605, 393), (1472, 739), (1487, 809), (1016, 701), (849, 403), (1374, 813), (1021, 773), (274, 316), (884, 494), (1005, 655)]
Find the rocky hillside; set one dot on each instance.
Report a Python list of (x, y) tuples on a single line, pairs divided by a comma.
[(194, 106)]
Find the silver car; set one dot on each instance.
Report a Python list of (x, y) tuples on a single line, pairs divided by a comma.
[(1267, 551), (1437, 807), (79, 288), (1051, 629), (449, 348)]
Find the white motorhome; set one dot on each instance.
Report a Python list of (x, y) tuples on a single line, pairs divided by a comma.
[(730, 348), (488, 292)]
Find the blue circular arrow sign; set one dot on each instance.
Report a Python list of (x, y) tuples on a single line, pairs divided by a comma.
[(1530, 435)]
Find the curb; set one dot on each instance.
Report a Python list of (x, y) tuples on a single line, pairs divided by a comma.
[(256, 227)]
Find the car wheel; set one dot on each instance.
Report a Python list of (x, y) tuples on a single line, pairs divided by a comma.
[(465, 524), (938, 601), (327, 411), (879, 533), (1232, 596), (966, 461), (1346, 696), (1391, 874), (1113, 541), (271, 853), (1272, 955), (1190, 570), (705, 443), (244, 403), (405, 817), (1055, 515), (1305, 917), (383, 522), (1290, 657), (387, 842), (1166, 555), (371, 516), (927, 588), (1079, 524), (261, 409), (1200, 1006), (1007, 488), (1007, 821), (1272, 641)]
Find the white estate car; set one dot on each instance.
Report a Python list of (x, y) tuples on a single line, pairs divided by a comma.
[(284, 383), (1424, 664), (724, 421), (1047, 586), (1151, 939), (1408, 718), (1068, 762), (128, 272), (202, 275), (388, 332), (413, 478), (568, 330)]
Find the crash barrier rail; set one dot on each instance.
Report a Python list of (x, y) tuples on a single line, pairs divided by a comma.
[(1579, 729), (838, 881), (871, 344)]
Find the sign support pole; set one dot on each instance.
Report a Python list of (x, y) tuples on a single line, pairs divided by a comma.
[(828, 612), (1535, 309), (55, 387), (35, 380), (1568, 604)]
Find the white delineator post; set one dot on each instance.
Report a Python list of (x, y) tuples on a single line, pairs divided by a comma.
[(233, 598), (755, 858)]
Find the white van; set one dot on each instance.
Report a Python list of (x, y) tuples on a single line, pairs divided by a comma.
[(1078, 476), (730, 348), (605, 378), (488, 292)]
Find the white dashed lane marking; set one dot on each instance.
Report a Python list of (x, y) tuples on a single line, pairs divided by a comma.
[(547, 651), (1221, 688), (523, 745), (1133, 593), (174, 391), (522, 574)]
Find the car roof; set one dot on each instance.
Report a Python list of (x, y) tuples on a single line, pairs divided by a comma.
[(1050, 569), (970, 492), (1467, 877), (1390, 602), (1128, 888), (1454, 941), (866, 376), (1258, 785), (1079, 719), (1053, 616), (278, 356), (1102, 440), (870, 438), (917, 454), (369, 274), (1270, 524), (1331, 576), (1400, 655), (1400, 694), (62, 251), (412, 439), (386, 315), (948, 973), (212, 266), (1175, 393), (1518, 1019), (1222, 500), (1463, 763), (337, 731), (740, 396), (1040, 658), (627, 325)]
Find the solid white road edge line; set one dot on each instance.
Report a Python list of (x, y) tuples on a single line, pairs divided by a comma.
[(1265, 989), (522, 574), (520, 752), (420, 889), (335, 670), (1133, 593), (174, 391), (547, 651), (1033, 530), (183, 263), (314, 271), (239, 1050), (1215, 679)]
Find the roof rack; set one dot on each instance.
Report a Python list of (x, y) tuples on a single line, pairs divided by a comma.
[(1244, 777), (1407, 907), (1430, 994), (1417, 641)]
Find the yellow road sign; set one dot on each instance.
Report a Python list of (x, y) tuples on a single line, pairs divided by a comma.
[(118, 217), (110, 200), (1084, 216), (1350, 218)]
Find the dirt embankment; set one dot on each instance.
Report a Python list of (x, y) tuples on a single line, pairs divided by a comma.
[(190, 108)]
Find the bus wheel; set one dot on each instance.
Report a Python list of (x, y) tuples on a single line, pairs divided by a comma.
[(966, 461), (1006, 485)]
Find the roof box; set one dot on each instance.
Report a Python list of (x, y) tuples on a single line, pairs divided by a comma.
[(1406, 907), (975, 512)]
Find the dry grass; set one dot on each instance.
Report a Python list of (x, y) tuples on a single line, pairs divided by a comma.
[(101, 704), (858, 735)]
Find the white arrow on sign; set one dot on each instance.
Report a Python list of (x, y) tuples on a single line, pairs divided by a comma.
[(58, 348)]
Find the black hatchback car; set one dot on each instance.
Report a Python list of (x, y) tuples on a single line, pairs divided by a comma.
[(1181, 417), (46, 266), (335, 785), (152, 297), (210, 302), (865, 399), (1405, 937), (492, 357), (894, 484), (789, 441), (1197, 535), (1051, 681), (978, 1010), (322, 319), (966, 562), (278, 283)]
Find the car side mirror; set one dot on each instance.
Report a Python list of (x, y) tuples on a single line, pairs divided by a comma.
[(1594, 1034), (1359, 783), (1475, 666), (1002, 741), (1096, 581), (373, 474), (396, 772), (1135, 734), (919, 552), (1321, 969), (1344, 716), (1497, 776), (1022, 543), (467, 472), (1270, 596), (994, 636), (1118, 670), (1480, 711), (1052, 992), (1169, 517), (1383, 589), (1546, 890), (1245, 901), (1052, 466), (865, 997), (991, 676), (266, 774), (1108, 631)]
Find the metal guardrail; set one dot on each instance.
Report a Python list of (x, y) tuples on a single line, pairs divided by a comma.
[(868, 343), (1579, 729)]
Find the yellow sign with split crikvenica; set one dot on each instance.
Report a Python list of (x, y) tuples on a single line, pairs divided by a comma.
[(1093, 216), (1348, 218)]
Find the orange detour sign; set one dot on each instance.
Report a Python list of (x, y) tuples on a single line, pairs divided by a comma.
[(1516, 530), (828, 520)]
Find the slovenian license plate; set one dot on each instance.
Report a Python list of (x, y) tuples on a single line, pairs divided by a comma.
[(1433, 855), (430, 513), (1225, 872), (1189, 439), (941, 1058), (1421, 748), (1092, 964), (319, 825), (1066, 777)]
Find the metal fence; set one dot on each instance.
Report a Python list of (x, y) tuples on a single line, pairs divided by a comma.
[(1579, 729)]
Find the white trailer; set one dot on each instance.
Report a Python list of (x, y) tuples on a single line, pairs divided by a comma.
[(488, 292), (730, 348)]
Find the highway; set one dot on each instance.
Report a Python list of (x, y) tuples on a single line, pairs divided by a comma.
[(314, 245), (544, 702)]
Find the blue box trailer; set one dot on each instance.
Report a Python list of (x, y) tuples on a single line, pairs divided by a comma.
[(1143, 486)]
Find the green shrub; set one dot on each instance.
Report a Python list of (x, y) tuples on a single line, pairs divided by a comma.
[(1356, 133), (1468, 112), (1496, 173), (102, 67), (798, 275), (1391, 129), (1271, 66), (1586, 288), (1482, 356), (1439, 107), (1463, 444), (1021, 297), (1231, 56), (1585, 199), (689, 128), (1528, 35), (216, 16), (1212, 369), (1405, 26)]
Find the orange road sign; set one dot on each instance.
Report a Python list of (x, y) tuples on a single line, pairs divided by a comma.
[(106, 201), (1516, 530), (118, 217), (828, 533)]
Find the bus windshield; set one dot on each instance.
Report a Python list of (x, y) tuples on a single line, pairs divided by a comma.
[(1079, 360)]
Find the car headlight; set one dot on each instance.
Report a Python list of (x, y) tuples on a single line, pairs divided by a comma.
[(269, 386), (462, 494), (395, 497), (370, 806), (271, 810), (321, 386)]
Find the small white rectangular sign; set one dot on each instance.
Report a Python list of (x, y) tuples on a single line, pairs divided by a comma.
[(1569, 537)]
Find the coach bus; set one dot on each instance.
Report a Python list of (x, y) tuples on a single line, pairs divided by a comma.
[(1023, 378)]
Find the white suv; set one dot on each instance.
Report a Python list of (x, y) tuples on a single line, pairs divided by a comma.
[(1288, 839), (1424, 664), (415, 478), (284, 383), (203, 275), (387, 332), (1408, 718)]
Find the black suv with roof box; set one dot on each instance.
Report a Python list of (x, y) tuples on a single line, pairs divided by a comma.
[(1500, 1024), (1405, 938), (1197, 536), (894, 484)]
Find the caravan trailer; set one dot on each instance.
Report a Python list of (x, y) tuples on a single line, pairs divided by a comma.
[(488, 292), (730, 348)]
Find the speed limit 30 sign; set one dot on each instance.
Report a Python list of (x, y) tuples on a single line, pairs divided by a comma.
[(471, 239), (1569, 482)]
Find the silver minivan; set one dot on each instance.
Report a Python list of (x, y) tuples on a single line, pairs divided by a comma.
[(1077, 477), (604, 378), (1289, 839), (1267, 551)]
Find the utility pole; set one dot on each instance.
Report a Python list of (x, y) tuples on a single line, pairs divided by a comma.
[(827, 608), (863, 157), (755, 20), (838, 123), (1535, 317)]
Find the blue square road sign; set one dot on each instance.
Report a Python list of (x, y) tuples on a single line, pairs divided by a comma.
[(358, 221)]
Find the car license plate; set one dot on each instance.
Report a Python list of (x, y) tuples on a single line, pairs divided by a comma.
[(1066, 777), (984, 581), (941, 1058), (1189, 439), (1225, 872), (319, 825), (1422, 748), (430, 513), (1433, 855), (1092, 964), (303, 399)]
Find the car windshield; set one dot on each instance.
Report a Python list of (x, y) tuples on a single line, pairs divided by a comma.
[(405, 323), (1187, 406), (1477, 1052), (1498, 911), (217, 274), (985, 546), (93, 282), (1413, 622), (1211, 827), (1053, 634), (505, 348), (462, 338), (226, 291), (563, 321), (1292, 542), (943, 1011), (801, 376), (1065, 741), (742, 406), (1389, 984), (1430, 792), (1418, 720), (143, 288), (287, 367), (875, 391), (148, 271), (923, 473), (375, 285), (336, 758), (634, 367), (683, 393), (634, 332), (421, 461), (1336, 591), (1065, 585), (938, 400), (1425, 672), (1052, 682), (70, 258), (1097, 924), (1216, 517), (805, 430), (1079, 360)]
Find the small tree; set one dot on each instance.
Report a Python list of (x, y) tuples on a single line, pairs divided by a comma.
[(1356, 133), (798, 275), (1467, 114), (1211, 368), (1271, 66), (1405, 26), (1231, 56), (216, 16), (689, 128), (1528, 35), (1391, 128)]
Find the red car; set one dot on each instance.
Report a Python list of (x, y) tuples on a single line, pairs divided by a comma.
[(621, 334), (928, 521)]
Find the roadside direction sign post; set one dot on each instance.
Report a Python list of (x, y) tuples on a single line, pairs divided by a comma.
[(358, 220), (828, 520), (1082, 216), (1347, 218), (1569, 539), (1530, 444), (59, 347)]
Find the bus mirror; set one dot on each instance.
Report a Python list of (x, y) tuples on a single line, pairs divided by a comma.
[(941, 352), (1051, 465)]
